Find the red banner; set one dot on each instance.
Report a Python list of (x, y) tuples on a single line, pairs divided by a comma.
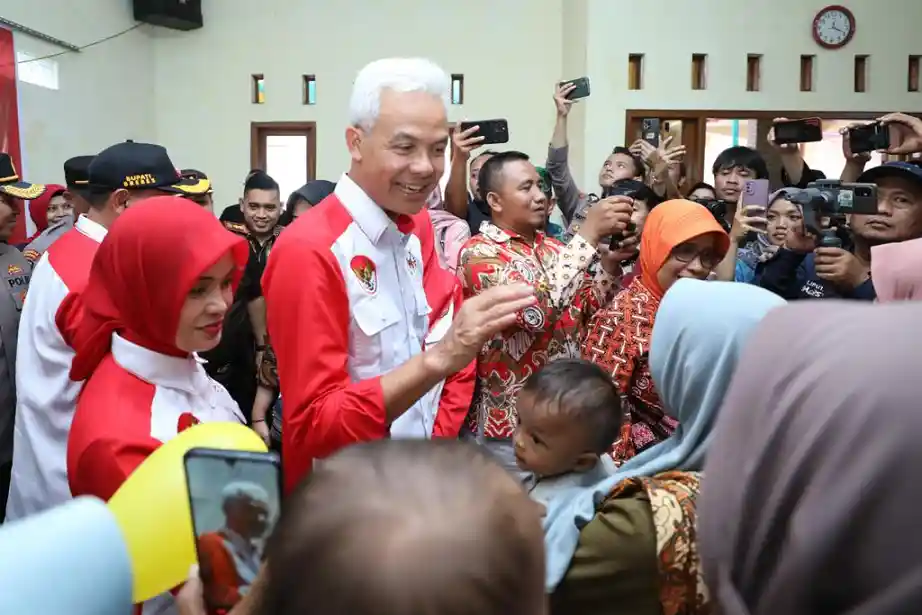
[(9, 118)]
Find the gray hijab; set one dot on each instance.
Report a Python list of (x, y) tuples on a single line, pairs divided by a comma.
[(812, 491), (313, 192)]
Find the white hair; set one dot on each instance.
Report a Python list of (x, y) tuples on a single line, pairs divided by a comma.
[(398, 75), (245, 489)]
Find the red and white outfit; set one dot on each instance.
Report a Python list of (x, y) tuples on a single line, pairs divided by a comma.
[(346, 303), (141, 390), (46, 396)]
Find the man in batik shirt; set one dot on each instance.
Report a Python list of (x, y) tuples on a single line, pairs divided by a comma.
[(514, 248)]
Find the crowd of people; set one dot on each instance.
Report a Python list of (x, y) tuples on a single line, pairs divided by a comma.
[(509, 396)]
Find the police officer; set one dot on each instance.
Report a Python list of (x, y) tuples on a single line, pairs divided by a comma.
[(76, 176), (202, 192), (16, 272)]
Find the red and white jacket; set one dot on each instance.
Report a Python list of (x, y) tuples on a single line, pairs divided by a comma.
[(136, 400), (45, 395), (346, 303)]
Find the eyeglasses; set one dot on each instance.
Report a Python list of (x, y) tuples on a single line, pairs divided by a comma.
[(688, 252)]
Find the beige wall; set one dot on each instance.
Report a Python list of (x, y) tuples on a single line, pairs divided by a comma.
[(191, 90)]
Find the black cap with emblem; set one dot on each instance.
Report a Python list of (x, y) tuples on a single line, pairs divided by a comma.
[(11, 184), (77, 171), (137, 166)]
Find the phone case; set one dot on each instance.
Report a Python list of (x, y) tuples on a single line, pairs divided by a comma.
[(581, 89), (492, 131)]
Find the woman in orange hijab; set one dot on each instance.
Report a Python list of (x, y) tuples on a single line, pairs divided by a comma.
[(157, 293), (680, 239)]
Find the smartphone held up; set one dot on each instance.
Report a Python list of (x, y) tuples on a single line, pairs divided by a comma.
[(754, 200), (493, 131), (869, 138), (580, 88), (788, 132), (234, 498)]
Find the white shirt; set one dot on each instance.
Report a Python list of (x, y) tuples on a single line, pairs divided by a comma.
[(45, 395), (390, 314)]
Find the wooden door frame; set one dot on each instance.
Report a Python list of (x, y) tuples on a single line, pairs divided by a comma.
[(258, 151), (694, 137)]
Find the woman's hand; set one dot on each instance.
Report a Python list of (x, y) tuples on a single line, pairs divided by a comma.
[(748, 219)]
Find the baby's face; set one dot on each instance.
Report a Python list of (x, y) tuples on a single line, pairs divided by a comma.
[(547, 442)]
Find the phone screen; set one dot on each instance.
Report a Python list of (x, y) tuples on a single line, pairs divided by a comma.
[(234, 498)]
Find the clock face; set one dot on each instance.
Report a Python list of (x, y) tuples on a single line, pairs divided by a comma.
[(833, 27)]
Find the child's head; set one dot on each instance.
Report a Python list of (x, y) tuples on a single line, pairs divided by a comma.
[(569, 414), (406, 527)]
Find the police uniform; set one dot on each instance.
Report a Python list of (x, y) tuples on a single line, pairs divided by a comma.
[(77, 179), (16, 272), (34, 250)]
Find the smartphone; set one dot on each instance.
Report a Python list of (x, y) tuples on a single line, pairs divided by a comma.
[(234, 498), (492, 131), (809, 130), (860, 199), (868, 138), (755, 193), (581, 89), (649, 130)]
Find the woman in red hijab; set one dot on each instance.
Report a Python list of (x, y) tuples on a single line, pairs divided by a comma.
[(680, 239), (158, 291)]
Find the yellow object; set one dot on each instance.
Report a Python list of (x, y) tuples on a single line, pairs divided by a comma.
[(152, 507)]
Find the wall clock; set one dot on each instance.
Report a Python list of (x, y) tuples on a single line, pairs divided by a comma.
[(833, 27)]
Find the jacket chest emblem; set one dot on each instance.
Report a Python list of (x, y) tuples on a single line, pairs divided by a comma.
[(186, 420), (412, 264), (365, 272)]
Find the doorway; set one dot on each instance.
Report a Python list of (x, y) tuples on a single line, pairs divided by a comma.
[(285, 150)]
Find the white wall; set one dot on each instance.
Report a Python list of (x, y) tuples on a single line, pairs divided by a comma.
[(105, 93), (508, 50), (668, 32)]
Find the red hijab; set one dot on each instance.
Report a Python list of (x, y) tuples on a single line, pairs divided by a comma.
[(38, 208), (142, 272)]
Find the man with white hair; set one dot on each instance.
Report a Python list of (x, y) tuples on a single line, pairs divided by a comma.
[(346, 302), (230, 557)]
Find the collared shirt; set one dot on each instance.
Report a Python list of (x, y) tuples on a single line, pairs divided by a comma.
[(567, 296), (46, 396), (346, 304), (136, 400)]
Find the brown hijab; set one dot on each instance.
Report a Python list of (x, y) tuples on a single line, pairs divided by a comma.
[(813, 484)]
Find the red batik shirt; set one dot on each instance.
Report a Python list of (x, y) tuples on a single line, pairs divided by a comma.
[(551, 329), (618, 340)]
